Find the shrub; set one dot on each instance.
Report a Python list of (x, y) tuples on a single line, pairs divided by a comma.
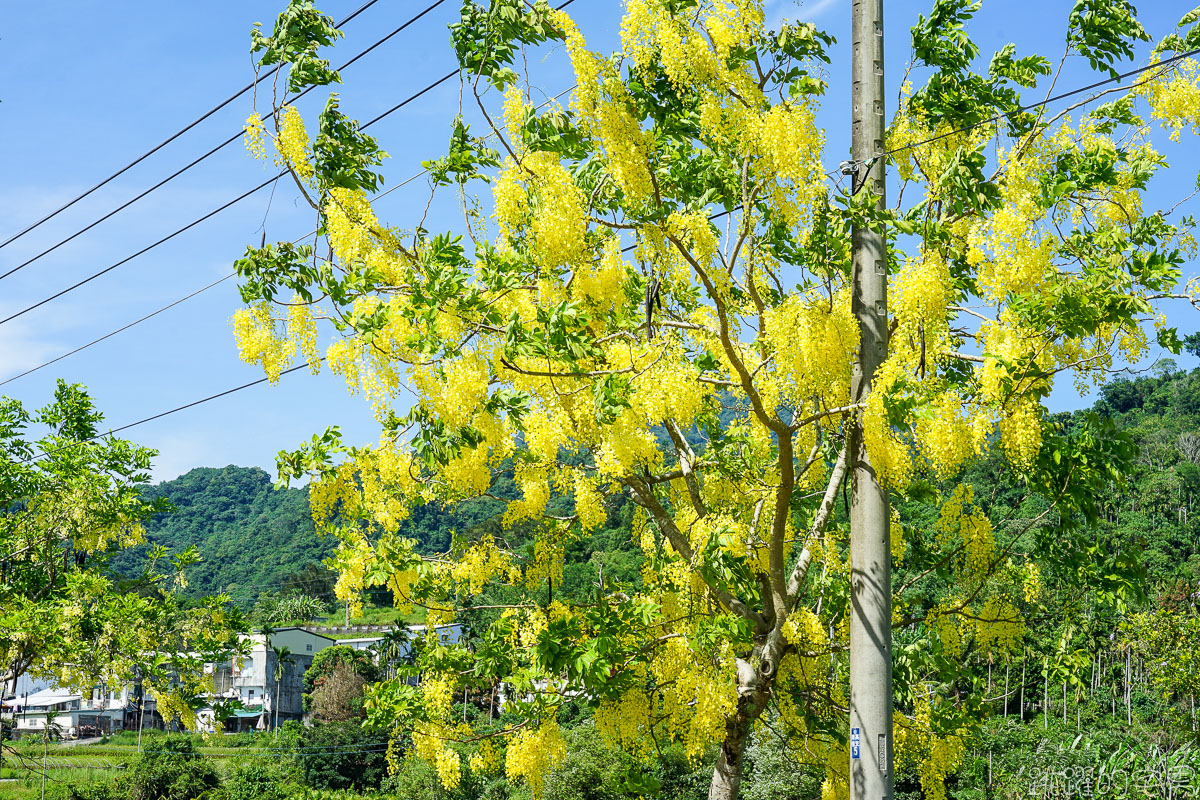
[(416, 779), (591, 771), (342, 755), (90, 791), (169, 769), (255, 780)]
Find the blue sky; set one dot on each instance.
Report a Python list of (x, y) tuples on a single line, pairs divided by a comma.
[(88, 86)]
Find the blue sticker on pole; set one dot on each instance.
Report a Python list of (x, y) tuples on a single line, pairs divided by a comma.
[(855, 742)]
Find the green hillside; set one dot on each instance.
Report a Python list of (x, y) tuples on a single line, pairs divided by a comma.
[(250, 536)]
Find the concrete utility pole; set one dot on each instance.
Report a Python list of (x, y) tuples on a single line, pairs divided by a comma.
[(870, 543)]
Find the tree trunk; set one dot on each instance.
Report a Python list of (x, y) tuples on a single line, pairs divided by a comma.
[(1024, 663), (731, 761), (1007, 670), (727, 775), (1128, 702)]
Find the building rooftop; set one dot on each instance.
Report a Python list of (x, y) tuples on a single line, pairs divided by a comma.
[(50, 697)]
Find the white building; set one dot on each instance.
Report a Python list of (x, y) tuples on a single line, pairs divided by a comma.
[(251, 679), (447, 634), (101, 710)]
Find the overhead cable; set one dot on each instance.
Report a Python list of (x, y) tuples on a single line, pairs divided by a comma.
[(168, 140), (241, 197), (197, 160)]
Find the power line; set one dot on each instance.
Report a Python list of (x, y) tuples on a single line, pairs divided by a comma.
[(146, 249), (192, 224), (170, 305), (167, 413), (118, 330), (202, 400), (168, 140), (199, 159)]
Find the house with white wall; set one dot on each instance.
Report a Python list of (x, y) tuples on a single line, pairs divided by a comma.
[(251, 678), (102, 709)]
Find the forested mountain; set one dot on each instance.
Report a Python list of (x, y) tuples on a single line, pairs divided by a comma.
[(249, 535), (254, 538), (1159, 507)]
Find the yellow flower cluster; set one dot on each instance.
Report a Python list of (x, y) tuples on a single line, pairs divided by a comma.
[(559, 212), (349, 222), (386, 474), (919, 298), (790, 145), (449, 767), (960, 521), (257, 341), (999, 625), (626, 445), (695, 233), (626, 722), (327, 492), (351, 560), (534, 484), (302, 329), (454, 393), (514, 115), (549, 554), (252, 135), (511, 200), (539, 195), (601, 103), (1175, 97), (1021, 257), (429, 744), (292, 144), (487, 758), (734, 24), (649, 29), (889, 454), (896, 534), (945, 436), (532, 753), (601, 282), (697, 694), (1010, 251), (589, 502), (1021, 432), (481, 563), (917, 743), (814, 339)]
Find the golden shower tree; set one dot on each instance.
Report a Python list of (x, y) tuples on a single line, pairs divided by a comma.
[(653, 305)]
